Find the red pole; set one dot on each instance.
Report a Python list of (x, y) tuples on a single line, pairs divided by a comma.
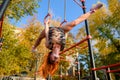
[(80, 48), (104, 67), (1, 23), (113, 71), (88, 37)]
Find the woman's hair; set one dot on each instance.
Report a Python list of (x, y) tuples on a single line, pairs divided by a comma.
[(47, 68)]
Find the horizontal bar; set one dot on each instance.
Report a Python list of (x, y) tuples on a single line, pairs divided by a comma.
[(76, 44), (104, 67), (113, 71), (80, 48)]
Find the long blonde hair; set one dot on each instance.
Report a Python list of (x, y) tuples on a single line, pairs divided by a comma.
[(47, 68)]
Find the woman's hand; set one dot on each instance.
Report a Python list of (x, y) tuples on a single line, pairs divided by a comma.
[(34, 50)]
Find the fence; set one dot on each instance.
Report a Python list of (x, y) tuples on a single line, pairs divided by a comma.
[(18, 78)]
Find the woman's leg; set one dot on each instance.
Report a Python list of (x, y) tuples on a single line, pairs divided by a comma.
[(67, 27)]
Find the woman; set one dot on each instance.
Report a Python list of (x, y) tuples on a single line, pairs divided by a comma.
[(55, 36)]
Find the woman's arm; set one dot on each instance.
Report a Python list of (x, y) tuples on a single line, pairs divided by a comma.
[(38, 41), (44, 34), (47, 32)]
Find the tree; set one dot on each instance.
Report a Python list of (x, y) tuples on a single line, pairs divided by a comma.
[(30, 34), (14, 56), (105, 32), (11, 52), (20, 8)]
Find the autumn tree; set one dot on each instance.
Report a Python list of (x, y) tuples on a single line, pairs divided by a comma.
[(12, 53), (105, 31), (14, 56), (20, 8)]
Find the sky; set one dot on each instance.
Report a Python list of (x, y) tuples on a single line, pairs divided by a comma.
[(57, 9)]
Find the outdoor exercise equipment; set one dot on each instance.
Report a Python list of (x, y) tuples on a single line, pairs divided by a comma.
[(49, 77), (78, 67), (81, 48), (76, 44), (61, 72), (92, 62), (93, 73), (1, 39), (64, 21), (48, 16), (108, 71)]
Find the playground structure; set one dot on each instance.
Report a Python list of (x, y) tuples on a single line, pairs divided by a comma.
[(93, 72), (106, 70), (93, 75), (88, 37)]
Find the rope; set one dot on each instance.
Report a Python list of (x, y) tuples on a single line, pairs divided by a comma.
[(79, 3), (48, 16), (64, 21), (48, 6), (64, 9)]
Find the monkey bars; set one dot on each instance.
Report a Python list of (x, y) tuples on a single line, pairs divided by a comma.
[(113, 71), (76, 44), (108, 71), (77, 47), (104, 67)]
